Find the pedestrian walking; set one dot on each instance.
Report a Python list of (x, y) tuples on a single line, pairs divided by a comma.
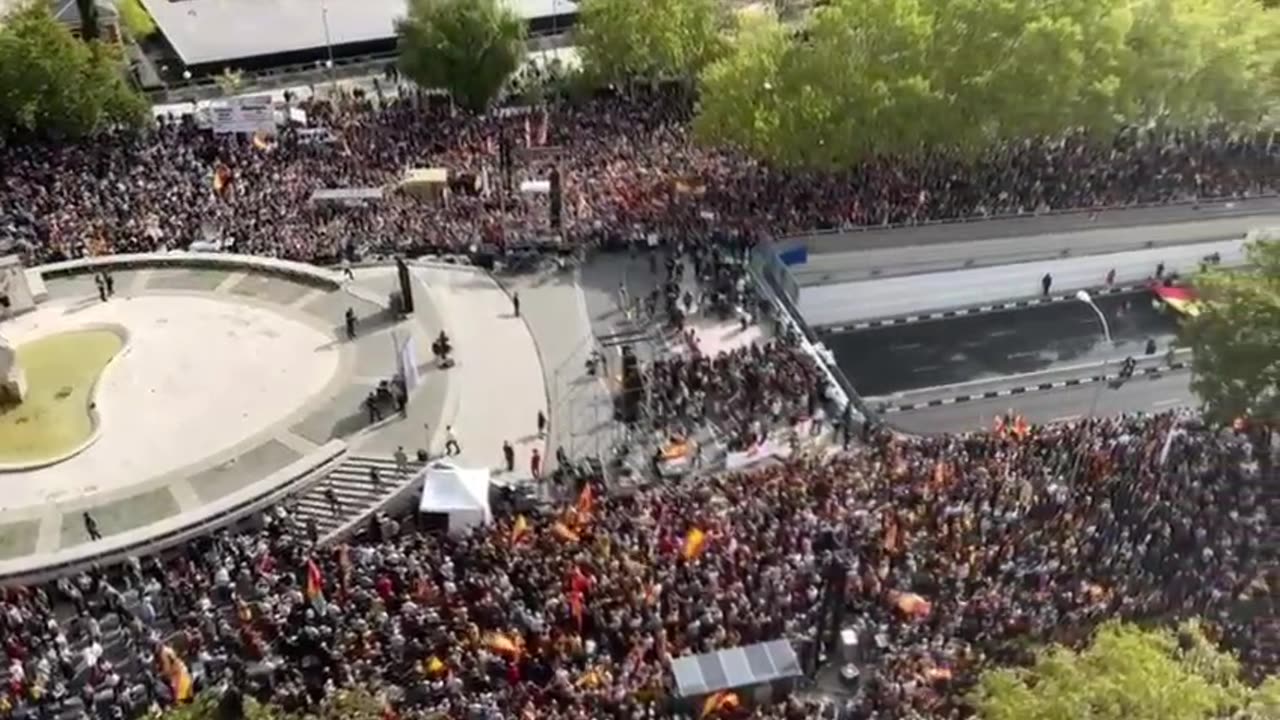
[(110, 282), (91, 527), (542, 424), (402, 464), (535, 464), (1046, 282), (346, 270), (375, 478), (335, 505), (101, 285), (451, 446), (1111, 277), (509, 455), (515, 304), (349, 318), (1160, 271)]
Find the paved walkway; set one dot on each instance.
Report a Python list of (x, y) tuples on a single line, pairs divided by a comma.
[(845, 303), (498, 374), (1032, 225), (934, 257), (581, 412)]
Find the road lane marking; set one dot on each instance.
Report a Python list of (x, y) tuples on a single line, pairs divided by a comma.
[(1029, 353), (906, 346), (1000, 333), (1170, 401), (926, 368)]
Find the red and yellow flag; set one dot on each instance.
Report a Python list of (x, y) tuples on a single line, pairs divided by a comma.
[(694, 543), (315, 580), (564, 532), (519, 529), (586, 501), (503, 645), (723, 701)]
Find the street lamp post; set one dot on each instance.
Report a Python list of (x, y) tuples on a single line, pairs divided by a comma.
[(1084, 297), (328, 40)]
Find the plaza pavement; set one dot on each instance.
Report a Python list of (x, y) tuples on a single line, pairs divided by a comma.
[(498, 373), (286, 436), (581, 415)]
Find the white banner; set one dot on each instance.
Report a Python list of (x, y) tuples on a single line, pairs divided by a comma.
[(409, 364), (250, 114), (737, 460)]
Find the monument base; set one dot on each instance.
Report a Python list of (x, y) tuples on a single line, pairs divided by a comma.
[(13, 387)]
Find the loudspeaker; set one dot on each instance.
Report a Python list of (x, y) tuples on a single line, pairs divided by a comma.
[(556, 198), (406, 289)]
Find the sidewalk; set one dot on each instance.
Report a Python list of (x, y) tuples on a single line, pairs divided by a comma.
[(1030, 225), (581, 414), (855, 264), (498, 374)]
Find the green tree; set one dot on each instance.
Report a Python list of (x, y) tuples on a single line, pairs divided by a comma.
[(136, 20), (468, 47), (90, 27), (1197, 60), (864, 77), (739, 102), (1127, 673), (54, 85), (624, 40), (1235, 340)]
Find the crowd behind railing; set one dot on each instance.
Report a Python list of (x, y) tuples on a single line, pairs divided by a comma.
[(999, 541), (629, 167)]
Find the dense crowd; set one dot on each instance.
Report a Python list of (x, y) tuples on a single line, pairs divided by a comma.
[(629, 167), (745, 392), (1001, 539)]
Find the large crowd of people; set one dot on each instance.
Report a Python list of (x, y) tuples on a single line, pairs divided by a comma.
[(1000, 540), (629, 167)]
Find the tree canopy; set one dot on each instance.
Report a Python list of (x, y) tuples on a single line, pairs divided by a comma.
[(1128, 673), (468, 47), (863, 77), (54, 85), (136, 20), (620, 40), (1235, 340)]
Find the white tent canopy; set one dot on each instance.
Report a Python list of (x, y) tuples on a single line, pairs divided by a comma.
[(461, 494)]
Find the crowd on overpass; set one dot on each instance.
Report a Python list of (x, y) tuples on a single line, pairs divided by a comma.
[(962, 551), (630, 167)]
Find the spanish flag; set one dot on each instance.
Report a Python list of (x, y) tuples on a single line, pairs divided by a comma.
[(221, 178), (723, 701), (183, 690), (575, 604), (503, 645), (519, 529), (693, 543), (563, 532), (586, 501), (1183, 300), (315, 580)]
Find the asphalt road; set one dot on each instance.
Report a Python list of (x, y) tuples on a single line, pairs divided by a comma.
[(1152, 393), (892, 359)]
